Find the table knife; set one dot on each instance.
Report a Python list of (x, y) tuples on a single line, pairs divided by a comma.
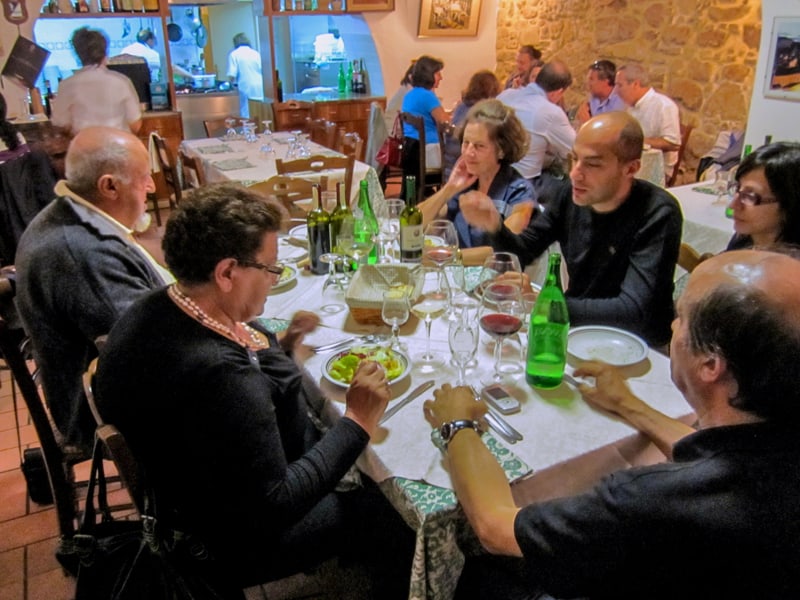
[(491, 415), (510, 439), (418, 391)]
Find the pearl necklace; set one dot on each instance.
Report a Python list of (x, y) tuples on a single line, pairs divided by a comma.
[(257, 340)]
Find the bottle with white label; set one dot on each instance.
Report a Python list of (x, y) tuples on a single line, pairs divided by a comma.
[(411, 236)]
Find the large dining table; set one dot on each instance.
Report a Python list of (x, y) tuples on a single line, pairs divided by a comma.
[(566, 445), (244, 162), (705, 226)]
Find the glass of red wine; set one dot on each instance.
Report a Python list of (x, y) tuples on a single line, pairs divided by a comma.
[(441, 243), (501, 316)]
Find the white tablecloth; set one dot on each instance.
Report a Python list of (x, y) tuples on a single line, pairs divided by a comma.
[(652, 168), (705, 226), (218, 155)]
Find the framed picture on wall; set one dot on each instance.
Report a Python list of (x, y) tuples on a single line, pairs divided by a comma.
[(449, 18), (782, 79)]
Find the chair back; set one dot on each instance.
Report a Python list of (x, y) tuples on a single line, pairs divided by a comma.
[(686, 131), (322, 131), (15, 349), (427, 178), (168, 168), (350, 144), (318, 164), (291, 115), (194, 175), (130, 472), (217, 127), (288, 190), (689, 258)]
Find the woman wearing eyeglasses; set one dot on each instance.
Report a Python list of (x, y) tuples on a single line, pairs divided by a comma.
[(766, 197), (226, 424)]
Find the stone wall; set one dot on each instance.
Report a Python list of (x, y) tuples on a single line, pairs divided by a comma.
[(702, 53)]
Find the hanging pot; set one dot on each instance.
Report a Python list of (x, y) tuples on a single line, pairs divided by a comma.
[(201, 36), (174, 31)]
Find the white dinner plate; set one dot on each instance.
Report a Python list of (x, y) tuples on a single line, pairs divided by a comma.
[(609, 344), (289, 275), (291, 252), (299, 231), (402, 358)]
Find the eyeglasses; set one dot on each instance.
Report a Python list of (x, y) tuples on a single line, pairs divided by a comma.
[(747, 197), (276, 270)]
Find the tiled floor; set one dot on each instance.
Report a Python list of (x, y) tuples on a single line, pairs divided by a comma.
[(28, 532)]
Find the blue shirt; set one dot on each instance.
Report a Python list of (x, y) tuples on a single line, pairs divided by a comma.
[(421, 102), (612, 103), (508, 188)]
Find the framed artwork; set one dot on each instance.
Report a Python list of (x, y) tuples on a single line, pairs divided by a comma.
[(782, 79), (449, 18)]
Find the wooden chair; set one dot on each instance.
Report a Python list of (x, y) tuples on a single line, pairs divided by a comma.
[(350, 144), (322, 132), (288, 190), (689, 258), (317, 164), (217, 127), (194, 175), (686, 131), (170, 171), (428, 179), (291, 115)]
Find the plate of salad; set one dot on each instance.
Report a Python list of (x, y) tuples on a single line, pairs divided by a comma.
[(340, 367)]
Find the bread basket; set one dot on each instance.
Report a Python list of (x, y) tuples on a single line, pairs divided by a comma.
[(364, 295)]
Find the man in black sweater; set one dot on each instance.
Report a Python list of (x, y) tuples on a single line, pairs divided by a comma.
[(620, 236)]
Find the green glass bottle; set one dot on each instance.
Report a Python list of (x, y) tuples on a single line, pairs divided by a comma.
[(547, 332), (349, 80), (342, 80), (411, 237), (339, 214), (319, 236), (368, 228)]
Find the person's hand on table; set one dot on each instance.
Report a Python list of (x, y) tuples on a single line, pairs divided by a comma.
[(368, 395), (479, 211), (610, 391), (303, 322), (451, 404)]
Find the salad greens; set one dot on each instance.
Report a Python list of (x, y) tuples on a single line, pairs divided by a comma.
[(344, 367)]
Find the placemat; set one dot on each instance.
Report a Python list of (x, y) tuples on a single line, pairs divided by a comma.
[(216, 149), (233, 164)]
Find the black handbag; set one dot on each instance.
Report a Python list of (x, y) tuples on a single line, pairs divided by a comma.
[(35, 472), (126, 560)]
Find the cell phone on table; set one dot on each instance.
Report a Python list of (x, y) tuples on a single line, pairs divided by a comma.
[(497, 396)]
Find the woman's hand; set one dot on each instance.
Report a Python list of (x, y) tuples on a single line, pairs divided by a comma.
[(367, 396), (460, 178), (303, 322), (452, 404)]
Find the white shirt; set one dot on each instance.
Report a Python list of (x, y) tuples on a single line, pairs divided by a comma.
[(327, 46), (658, 116), (244, 67), (551, 134), (95, 96), (152, 57)]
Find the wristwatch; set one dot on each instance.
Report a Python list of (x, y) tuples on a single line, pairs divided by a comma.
[(441, 437)]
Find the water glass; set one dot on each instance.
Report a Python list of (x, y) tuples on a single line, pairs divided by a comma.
[(389, 229), (431, 304), (463, 338), (395, 312)]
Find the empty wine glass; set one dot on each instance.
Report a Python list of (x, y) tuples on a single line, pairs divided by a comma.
[(355, 239), (395, 312), (432, 303), (463, 338), (500, 315), (230, 133), (497, 264), (389, 229)]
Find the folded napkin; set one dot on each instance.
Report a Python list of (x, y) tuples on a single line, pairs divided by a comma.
[(233, 164), (215, 149)]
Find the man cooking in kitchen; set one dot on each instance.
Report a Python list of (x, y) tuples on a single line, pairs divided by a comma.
[(244, 69)]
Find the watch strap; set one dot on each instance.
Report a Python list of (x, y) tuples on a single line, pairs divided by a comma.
[(448, 430)]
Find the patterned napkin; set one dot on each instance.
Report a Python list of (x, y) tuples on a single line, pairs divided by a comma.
[(216, 149), (233, 164)]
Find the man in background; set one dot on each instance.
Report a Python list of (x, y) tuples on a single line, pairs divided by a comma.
[(720, 519), (95, 96), (244, 69), (620, 235), (527, 58), (603, 96), (79, 267), (657, 113), (143, 47), (551, 135)]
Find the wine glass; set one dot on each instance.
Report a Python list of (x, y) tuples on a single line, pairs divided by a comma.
[(355, 239), (432, 303), (500, 315), (495, 265), (395, 312), (463, 338), (389, 229), (441, 242), (230, 133)]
